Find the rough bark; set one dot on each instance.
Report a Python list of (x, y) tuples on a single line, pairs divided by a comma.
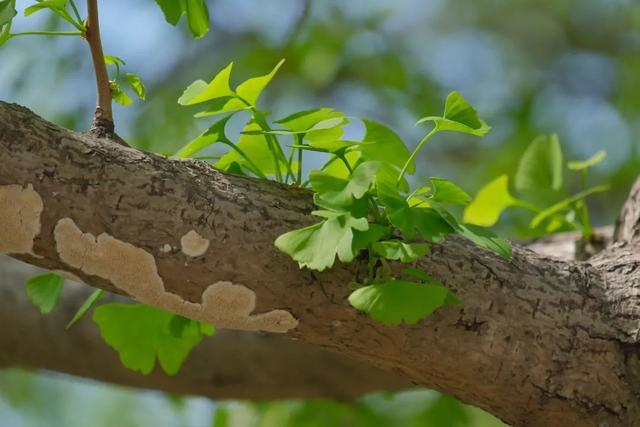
[(228, 365), (537, 341)]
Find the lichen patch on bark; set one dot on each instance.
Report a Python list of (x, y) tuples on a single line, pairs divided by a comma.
[(193, 244), (20, 210), (134, 270)]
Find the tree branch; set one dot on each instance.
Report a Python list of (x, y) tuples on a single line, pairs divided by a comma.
[(628, 224), (103, 117), (537, 341), (229, 365)]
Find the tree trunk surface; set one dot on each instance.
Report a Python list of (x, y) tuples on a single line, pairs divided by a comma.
[(538, 340)]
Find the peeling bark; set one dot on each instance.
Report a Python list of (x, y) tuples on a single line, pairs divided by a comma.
[(537, 341), (228, 365)]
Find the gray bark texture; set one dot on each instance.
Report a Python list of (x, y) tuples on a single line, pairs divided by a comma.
[(229, 365), (538, 340)]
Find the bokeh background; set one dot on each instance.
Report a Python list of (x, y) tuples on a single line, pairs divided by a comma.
[(533, 66)]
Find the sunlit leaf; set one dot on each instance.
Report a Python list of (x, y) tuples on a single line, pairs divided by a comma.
[(251, 89), (489, 203), (317, 246), (113, 60), (252, 152), (119, 95), (396, 301), (214, 134), (136, 84), (302, 121), (441, 191), (200, 91), (446, 192), (223, 106), (382, 144), (56, 6), (459, 116)]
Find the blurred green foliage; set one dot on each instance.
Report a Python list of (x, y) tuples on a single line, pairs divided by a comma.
[(36, 400)]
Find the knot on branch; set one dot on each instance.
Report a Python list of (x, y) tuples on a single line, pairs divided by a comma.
[(103, 127)]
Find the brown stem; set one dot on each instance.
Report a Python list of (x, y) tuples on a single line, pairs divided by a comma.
[(103, 117)]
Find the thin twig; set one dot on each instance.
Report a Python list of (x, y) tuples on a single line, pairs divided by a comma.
[(103, 117)]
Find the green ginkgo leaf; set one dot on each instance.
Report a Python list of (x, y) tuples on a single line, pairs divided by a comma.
[(56, 6), (252, 152), (399, 250), (200, 91), (136, 84), (337, 192), (7, 12), (119, 95), (140, 334), (490, 202), (459, 116), (251, 89), (44, 291), (411, 220), (382, 144), (197, 17), (480, 236), (317, 246), (540, 167), (396, 301), (172, 10), (214, 134), (196, 11), (303, 121), (441, 191)]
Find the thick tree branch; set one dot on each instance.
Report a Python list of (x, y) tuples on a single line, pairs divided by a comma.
[(537, 341), (229, 365)]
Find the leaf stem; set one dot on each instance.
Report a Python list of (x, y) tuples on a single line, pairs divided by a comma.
[(299, 166), (587, 231), (415, 153), (47, 33), (75, 10)]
